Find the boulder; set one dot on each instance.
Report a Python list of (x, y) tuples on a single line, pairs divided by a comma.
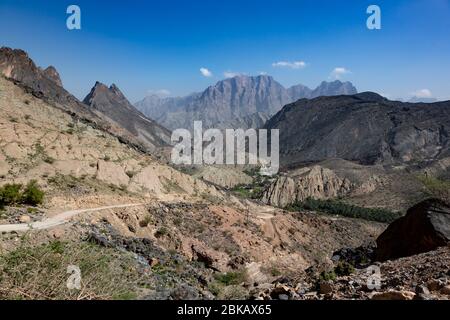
[(425, 227), (25, 219), (394, 295), (445, 290), (326, 287)]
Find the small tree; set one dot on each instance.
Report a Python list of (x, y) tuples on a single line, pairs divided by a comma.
[(32, 195), (10, 194)]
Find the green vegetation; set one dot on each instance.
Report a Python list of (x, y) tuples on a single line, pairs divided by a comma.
[(254, 190), (40, 272), (227, 286), (161, 232), (347, 210), (231, 278), (13, 194), (327, 276), (242, 191), (146, 221), (344, 269), (436, 187)]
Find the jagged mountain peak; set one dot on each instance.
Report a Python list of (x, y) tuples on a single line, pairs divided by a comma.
[(232, 100), (333, 88), (53, 74), (111, 103)]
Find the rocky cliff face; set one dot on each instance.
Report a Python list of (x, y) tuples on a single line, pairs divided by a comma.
[(310, 182), (365, 128), (232, 102)]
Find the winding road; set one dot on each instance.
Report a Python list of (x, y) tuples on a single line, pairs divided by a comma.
[(59, 219)]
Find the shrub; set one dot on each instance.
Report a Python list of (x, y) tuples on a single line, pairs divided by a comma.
[(161, 232), (328, 275), (10, 194), (347, 210), (344, 269), (436, 187), (145, 222), (231, 278), (32, 194)]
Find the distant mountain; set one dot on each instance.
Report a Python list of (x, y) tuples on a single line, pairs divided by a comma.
[(334, 88), (365, 127), (238, 102), (155, 106), (114, 106), (423, 100), (46, 84)]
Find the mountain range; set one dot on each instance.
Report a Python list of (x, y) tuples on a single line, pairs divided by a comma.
[(238, 102)]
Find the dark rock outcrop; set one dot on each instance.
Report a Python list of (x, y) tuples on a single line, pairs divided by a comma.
[(425, 227), (365, 128)]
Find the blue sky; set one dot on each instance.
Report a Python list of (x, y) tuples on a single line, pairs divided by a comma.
[(147, 46)]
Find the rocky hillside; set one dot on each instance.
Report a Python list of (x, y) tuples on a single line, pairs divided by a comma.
[(370, 186), (365, 128), (414, 253), (183, 238), (114, 106), (239, 102), (46, 84)]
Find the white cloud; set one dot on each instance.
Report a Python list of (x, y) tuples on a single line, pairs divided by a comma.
[(206, 73), (263, 73), (338, 72), (160, 92), (288, 64), (422, 93)]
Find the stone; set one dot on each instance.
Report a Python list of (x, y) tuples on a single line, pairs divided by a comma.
[(25, 219), (445, 290), (153, 262), (422, 290), (394, 295), (185, 292), (283, 297), (325, 287), (434, 284)]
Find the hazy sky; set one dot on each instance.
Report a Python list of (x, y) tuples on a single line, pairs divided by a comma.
[(184, 46)]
